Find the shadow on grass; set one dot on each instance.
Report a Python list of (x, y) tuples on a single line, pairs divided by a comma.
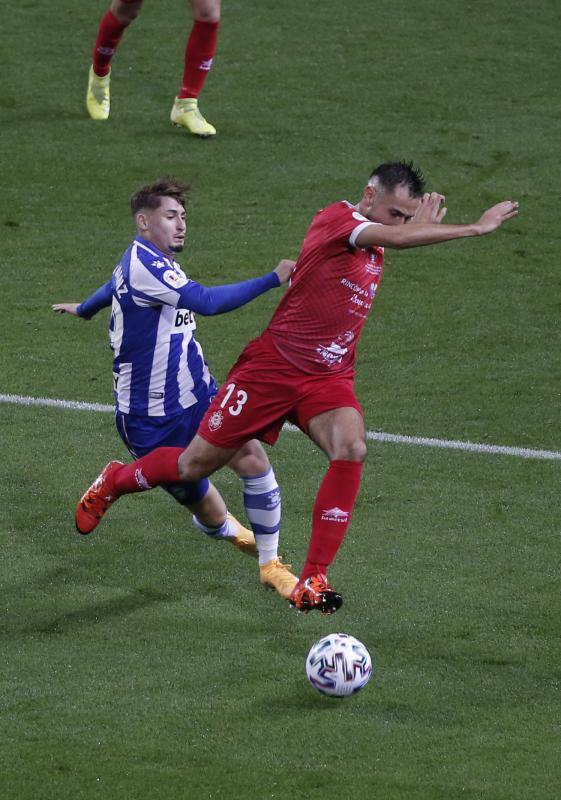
[(88, 615), (304, 699)]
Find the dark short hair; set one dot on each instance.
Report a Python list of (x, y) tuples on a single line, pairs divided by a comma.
[(150, 196), (400, 173)]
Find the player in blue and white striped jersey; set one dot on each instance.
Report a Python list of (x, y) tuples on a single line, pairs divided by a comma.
[(162, 382)]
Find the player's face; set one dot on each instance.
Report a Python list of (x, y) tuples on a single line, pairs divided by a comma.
[(164, 226), (390, 207)]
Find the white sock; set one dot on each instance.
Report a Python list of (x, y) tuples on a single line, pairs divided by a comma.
[(267, 547), (262, 501), (225, 531)]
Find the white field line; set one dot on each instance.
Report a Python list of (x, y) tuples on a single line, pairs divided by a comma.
[(375, 436)]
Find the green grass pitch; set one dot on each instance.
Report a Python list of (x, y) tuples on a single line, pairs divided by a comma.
[(146, 662)]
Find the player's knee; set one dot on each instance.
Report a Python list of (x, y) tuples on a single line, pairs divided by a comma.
[(210, 17), (190, 469), (251, 464), (360, 451), (250, 460), (352, 450), (126, 12), (206, 10)]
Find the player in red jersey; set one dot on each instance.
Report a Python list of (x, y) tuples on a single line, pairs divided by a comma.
[(199, 54), (301, 368)]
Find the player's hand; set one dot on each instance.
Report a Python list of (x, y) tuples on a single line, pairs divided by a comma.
[(430, 210), (494, 217), (66, 308), (284, 269)]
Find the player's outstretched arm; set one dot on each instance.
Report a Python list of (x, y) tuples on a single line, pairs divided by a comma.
[(421, 234), (494, 217), (212, 300), (66, 308), (101, 298)]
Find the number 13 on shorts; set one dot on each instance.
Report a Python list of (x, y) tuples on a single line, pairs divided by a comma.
[(238, 402)]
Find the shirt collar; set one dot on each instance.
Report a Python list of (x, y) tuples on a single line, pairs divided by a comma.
[(155, 250)]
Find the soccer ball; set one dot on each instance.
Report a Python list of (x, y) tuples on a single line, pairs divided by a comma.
[(338, 665)]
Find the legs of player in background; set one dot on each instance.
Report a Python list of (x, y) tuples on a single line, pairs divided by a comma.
[(199, 54), (340, 434), (201, 47), (111, 28)]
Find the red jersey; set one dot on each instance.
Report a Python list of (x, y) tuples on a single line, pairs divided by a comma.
[(320, 319)]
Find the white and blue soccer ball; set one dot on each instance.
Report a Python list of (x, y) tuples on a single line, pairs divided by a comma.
[(338, 665)]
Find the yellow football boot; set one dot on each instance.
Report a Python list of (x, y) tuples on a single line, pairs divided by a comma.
[(276, 575), (185, 113), (244, 539), (97, 98)]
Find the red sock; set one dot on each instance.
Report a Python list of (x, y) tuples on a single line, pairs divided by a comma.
[(155, 469), (200, 50), (331, 515), (108, 38)]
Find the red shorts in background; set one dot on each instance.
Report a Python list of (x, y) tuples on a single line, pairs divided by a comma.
[(263, 391)]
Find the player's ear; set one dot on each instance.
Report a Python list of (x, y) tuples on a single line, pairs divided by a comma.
[(141, 222), (369, 193)]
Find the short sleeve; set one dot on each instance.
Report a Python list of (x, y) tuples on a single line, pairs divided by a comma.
[(343, 223)]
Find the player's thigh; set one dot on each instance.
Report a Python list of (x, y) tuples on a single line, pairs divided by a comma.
[(340, 433), (201, 459), (251, 404), (206, 10), (250, 460)]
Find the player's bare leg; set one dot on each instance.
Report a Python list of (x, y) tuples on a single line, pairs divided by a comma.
[(199, 54), (340, 434), (111, 28), (200, 459), (211, 517)]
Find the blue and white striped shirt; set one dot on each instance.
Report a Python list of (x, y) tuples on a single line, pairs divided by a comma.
[(158, 366)]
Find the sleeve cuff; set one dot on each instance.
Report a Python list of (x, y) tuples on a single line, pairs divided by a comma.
[(355, 232)]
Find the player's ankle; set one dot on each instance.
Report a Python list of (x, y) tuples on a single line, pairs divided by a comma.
[(312, 568)]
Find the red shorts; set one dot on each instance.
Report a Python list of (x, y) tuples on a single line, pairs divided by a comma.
[(263, 390)]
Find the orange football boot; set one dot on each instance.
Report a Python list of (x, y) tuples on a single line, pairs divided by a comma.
[(96, 500), (315, 593)]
